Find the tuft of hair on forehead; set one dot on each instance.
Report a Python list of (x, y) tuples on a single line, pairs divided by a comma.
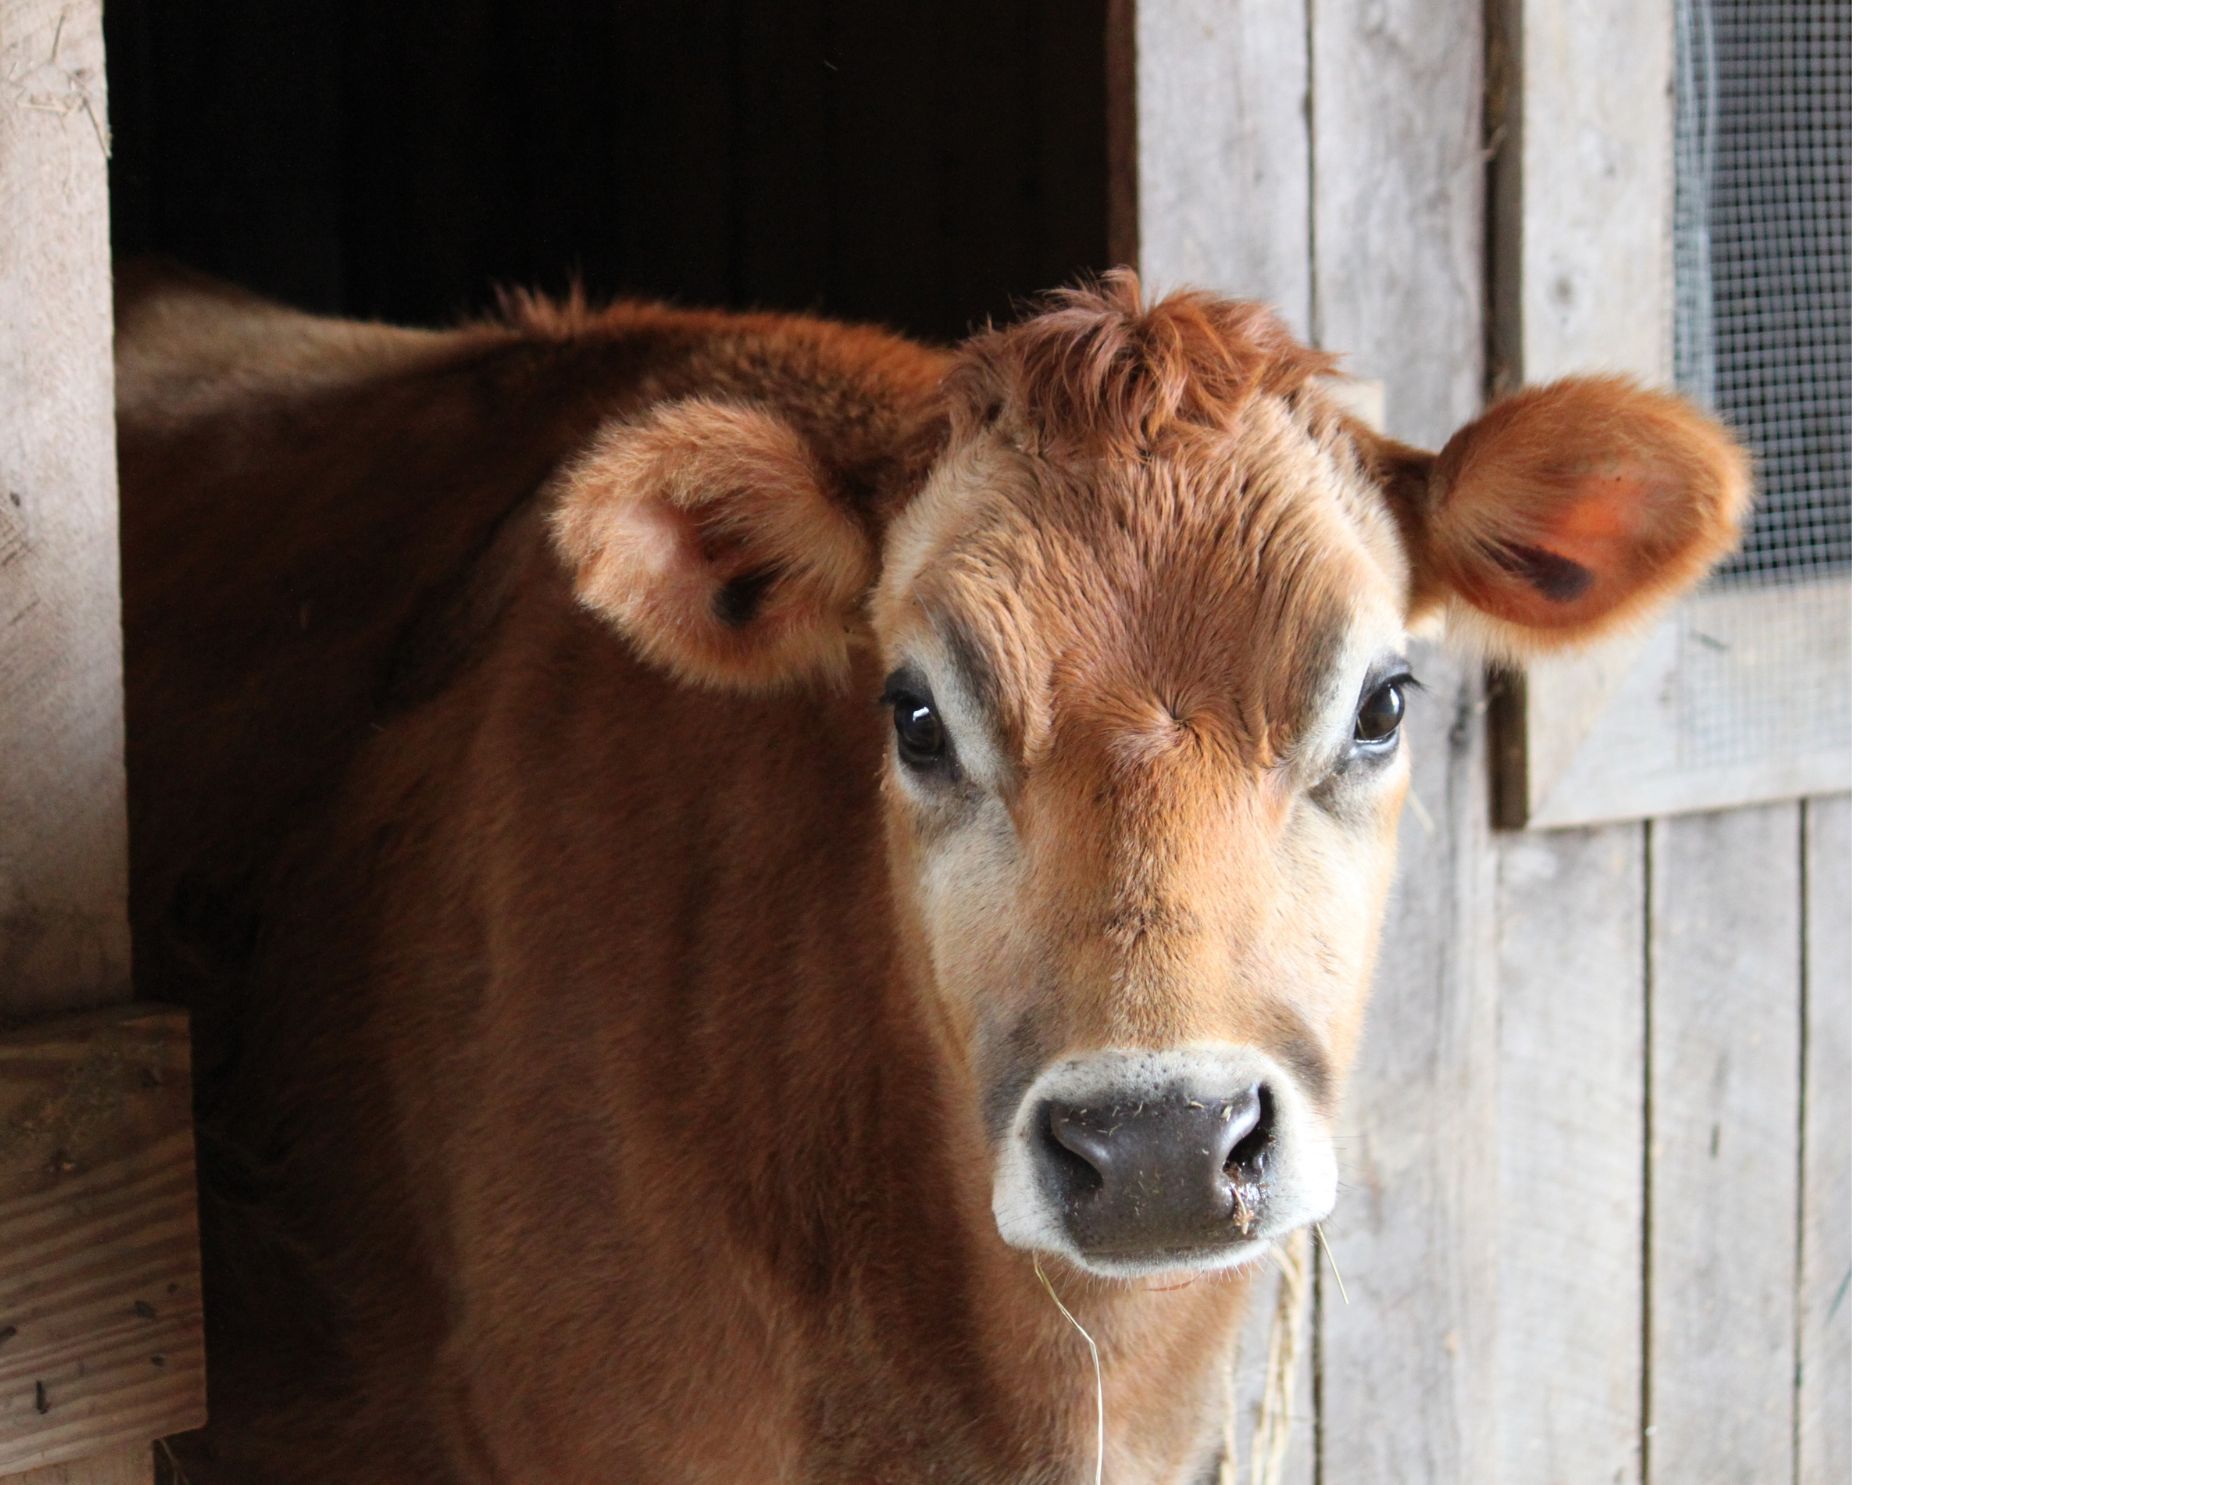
[(1100, 369)]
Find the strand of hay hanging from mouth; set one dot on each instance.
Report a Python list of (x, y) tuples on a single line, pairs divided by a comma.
[(1268, 1441)]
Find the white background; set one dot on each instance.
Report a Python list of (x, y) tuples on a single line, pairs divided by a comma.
[(2044, 205)]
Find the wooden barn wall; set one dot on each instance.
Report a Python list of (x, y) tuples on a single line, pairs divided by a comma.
[(917, 165), (64, 945), (1594, 1218)]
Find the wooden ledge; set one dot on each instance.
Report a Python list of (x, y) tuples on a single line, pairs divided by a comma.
[(100, 1267)]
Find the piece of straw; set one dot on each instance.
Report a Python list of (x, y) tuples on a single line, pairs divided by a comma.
[(1100, 1430), (1320, 1229)]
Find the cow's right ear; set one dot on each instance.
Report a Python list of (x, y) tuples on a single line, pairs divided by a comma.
[(711, 537)]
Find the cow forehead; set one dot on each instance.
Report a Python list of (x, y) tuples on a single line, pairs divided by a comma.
[(1216, 584)]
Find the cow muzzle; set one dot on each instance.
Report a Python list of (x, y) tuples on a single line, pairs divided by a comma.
[(1131, 1162)]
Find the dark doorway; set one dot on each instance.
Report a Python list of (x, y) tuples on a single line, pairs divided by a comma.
[(916, 164)]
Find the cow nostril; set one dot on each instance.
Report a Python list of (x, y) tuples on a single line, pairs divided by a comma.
[(1077, 1153), (1245, 1157)]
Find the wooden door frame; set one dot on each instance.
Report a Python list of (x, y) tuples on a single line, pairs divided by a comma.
[(1583, 211), (100, 1306)]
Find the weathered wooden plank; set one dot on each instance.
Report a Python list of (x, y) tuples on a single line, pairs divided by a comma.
[(100, 1295), (132, 1466), (63, 939), (1585, 283), (1724, 1109), (1826, 1342), (1398, 223), (1564, 1398), (1737, 698), (1222, 149), (1398, 215), (63, 935)]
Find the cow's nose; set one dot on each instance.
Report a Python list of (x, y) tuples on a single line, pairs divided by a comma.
[(1161, 1176)]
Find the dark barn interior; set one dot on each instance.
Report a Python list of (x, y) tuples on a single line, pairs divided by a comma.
[(918, 166)]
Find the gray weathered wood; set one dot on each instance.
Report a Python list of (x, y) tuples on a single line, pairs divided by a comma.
[(1826, 1342), (1565, 1348), (1738, 698), (1586, 278), (1223, 150), (1398, 216), (1398, 223), (1724, 1102), (1564, 1240), (63, 938)]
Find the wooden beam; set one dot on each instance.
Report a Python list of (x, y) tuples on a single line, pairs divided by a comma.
[(1563, 1359), (1725, 1108), (63, 938), (96, 1197), (1223, 149), (1739, 697), (1398, 224), (1826, 1318), (100, 1295)]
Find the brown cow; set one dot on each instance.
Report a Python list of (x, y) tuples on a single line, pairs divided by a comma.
[(705, 844)]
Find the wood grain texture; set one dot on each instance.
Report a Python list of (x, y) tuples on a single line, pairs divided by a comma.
[(1399, 203), (1586, 282), (1826, 1340), (63, 938), (100, 1295), (1585, 190), (1719, 705), (1222, 149), (1564, 1241), (127, 1466), (1398, 222), (1724, 1102)]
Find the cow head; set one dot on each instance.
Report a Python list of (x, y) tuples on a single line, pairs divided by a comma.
[(1143, 634)]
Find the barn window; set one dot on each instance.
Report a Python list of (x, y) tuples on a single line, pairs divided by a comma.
[(1743, 695)]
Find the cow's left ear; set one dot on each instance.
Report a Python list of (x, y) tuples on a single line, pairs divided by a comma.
[(1572, 509), (711, 537)]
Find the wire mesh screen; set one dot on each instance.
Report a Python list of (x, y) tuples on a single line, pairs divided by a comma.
[(1763, 334), (1764, 308)]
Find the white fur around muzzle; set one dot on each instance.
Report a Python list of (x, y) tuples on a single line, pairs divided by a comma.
[(1299, 1180)]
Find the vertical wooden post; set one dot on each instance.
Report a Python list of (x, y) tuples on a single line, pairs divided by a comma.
[(1725, 1131), (1398, 224), (63, 938), (1582, 283), (64, 942), (1826, 1325)]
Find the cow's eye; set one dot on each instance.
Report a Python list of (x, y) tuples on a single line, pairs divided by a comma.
[(1382, 711), (920, 733)]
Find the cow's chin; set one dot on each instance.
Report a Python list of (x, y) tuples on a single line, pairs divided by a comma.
[(1181, 1263)]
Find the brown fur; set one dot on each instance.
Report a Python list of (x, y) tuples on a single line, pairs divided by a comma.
[(594, 1079)]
